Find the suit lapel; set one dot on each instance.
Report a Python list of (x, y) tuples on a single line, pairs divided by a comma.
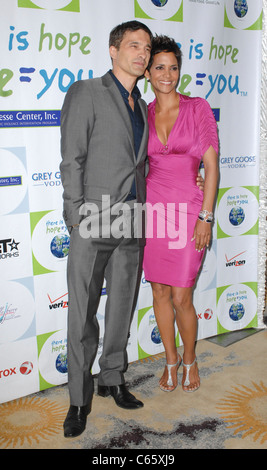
[(143, 144)]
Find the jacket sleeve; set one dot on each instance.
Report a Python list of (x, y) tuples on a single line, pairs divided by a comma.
[(76, 121)]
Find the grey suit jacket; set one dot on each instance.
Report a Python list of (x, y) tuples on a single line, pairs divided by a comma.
[(97, 147)]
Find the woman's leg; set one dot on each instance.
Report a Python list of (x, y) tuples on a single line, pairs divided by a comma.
[(164, 313), (187, 325)]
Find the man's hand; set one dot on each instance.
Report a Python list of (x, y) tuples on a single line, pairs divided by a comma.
[(200, 182)]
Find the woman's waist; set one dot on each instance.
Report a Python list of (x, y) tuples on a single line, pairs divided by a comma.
[(165, 193), (179, 169), (177, 181)]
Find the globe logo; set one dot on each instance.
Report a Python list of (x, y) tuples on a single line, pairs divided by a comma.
[(155, 336), (236, 216), (236, 311), (241, 8), (60, 246), (159, 3), (62, 363)]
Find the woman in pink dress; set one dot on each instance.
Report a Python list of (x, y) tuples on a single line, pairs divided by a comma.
[(182, 132)]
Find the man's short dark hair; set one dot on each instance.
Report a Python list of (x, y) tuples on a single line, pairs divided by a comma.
[(117, 33)]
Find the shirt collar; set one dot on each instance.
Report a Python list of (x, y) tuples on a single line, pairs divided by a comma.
[(135, 93)]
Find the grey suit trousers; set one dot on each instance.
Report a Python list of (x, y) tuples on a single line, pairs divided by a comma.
[(119, 261)]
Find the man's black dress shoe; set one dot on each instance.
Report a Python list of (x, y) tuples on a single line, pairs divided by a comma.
[(121, 395), (75, 421)]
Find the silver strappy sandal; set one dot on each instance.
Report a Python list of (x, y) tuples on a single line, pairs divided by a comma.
[(187, 381), (169, 382)]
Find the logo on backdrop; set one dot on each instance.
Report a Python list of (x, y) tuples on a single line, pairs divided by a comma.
[(241, 8), (159, 3), (29, 118), (206, 315), (53, 351), (63, 5), (13, 180), (9, 248), (25, 369), (59, 246), (237, 304), (10, 181), (236, 311), (46, 178), (237, 211), (171, 10), (238, 162), (50, 242), (60, 302), (155, 334), (235, 260), (237, 216), (62, 363), (7, 312), (148, 336), (16, 315), (243, 14), (48, 42)]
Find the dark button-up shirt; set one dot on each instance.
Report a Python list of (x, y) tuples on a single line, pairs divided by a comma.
[(136, 120)]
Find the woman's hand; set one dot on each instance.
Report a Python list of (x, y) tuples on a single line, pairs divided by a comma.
[(202, 231), (202, 235)]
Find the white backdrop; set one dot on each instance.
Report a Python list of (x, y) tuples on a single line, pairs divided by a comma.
[(46, 45)]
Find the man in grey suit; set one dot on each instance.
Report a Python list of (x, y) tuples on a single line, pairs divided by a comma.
[(104, 135)]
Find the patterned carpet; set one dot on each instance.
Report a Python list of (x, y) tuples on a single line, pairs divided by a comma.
[(229, 411)]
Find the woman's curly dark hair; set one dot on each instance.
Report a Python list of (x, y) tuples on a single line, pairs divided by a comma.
[(165, 44)]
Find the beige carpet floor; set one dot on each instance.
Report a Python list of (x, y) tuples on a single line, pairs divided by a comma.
[(229, 411)]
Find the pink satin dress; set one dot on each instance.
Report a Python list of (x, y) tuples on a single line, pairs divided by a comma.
[(173, 197)]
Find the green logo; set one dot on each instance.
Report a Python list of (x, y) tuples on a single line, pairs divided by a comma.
[(170, 10), (62, 5), (243, 15)]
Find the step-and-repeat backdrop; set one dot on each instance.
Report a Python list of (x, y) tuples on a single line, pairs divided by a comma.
[(46, 45)]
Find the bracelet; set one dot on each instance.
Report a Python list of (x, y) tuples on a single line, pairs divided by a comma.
[(205, 216)]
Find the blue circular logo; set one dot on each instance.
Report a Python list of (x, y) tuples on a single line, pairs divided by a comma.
[(159, 3), (155, 336), (60, 246), (241, 8), (236, 311), (236, 216), (62, 363)]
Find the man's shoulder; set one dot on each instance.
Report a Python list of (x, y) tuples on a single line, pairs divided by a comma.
[(85, 85)]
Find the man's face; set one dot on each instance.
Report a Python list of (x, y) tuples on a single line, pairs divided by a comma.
[(131, 59)]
